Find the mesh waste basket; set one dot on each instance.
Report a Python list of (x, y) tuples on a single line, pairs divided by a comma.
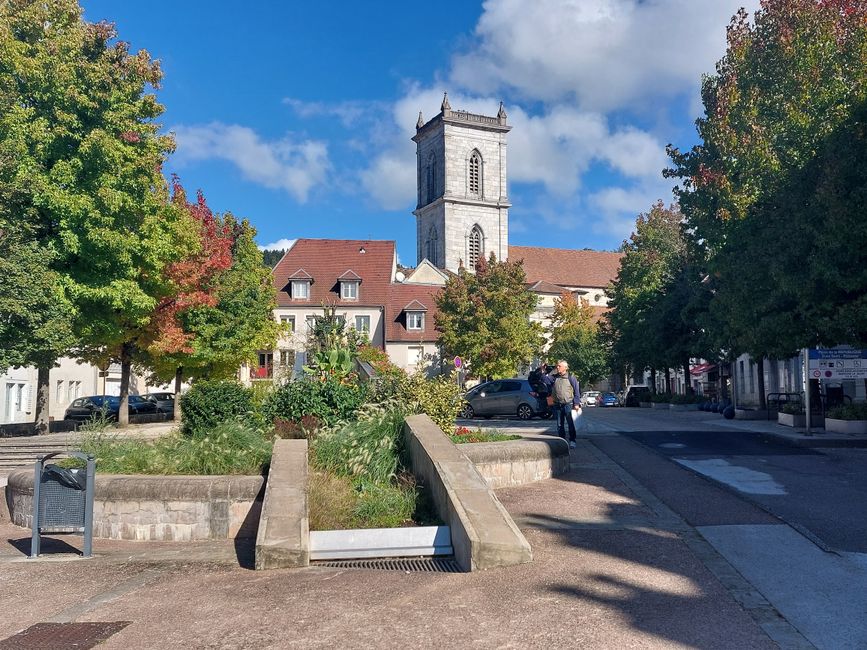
[(63, 501)]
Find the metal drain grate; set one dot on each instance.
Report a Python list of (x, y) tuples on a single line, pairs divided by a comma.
[(63, 635), (407, 565)]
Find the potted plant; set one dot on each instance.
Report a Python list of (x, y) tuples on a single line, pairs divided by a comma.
[(792, 415), (851, 418)]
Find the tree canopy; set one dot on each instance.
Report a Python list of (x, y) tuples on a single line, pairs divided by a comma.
[(484, 317), (576, 337), (775, 176)]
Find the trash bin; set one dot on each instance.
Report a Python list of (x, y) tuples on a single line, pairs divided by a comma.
[(63, 501)]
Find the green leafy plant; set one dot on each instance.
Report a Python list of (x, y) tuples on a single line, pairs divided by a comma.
[(99, 422), (792, 408), (336, 361), (686, 399), (440, 398), (856, 411), (210, 403), (327, 398)]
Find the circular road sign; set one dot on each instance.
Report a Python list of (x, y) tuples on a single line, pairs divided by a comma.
[(458, 362)]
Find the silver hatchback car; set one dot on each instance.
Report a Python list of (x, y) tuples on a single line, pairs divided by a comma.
[(502, 397)]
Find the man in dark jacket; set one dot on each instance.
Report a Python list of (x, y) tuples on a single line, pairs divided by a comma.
[(567, 398), (540, 383)]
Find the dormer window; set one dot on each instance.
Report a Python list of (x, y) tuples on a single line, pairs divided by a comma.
[(300, 289), (415, 316), (415, 320), (349, 290), (299, 285), (349, 281)]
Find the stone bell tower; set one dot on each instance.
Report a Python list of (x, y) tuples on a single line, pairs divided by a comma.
[(463, 206)]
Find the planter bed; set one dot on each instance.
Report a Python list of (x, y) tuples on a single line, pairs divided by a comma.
[(845, 426), (683, 407), (792, 420), (158, 508)]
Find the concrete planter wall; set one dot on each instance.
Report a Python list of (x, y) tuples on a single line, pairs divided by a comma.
[(792, 419), (845, 426), (645, 405), (517, 462), (750, 414), (660, 405), (683, 407), (158, 508)]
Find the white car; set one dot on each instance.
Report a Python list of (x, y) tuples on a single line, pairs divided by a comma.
[(590, 398)]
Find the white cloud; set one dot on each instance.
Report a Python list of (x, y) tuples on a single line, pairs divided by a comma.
[(604, 54), (280, 244), (293, 166), (349, 112), (615, 208)]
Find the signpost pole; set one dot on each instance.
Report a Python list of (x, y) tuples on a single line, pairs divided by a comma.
[(807, 406)]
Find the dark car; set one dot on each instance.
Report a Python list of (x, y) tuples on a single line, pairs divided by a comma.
[(85, 408), (502, 397), (165, 402), (636, 395), (608, 399)]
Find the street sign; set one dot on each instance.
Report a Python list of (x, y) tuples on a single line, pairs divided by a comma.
[(838, 364), (458, 362)]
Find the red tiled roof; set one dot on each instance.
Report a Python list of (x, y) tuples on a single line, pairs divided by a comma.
[(300, 274), (349, 274), (412, 297), (325, 260), (567, 267), (541, 286)]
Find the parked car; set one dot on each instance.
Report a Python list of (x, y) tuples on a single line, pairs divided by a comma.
[(590, 398), (608, 399), (85, 408), (165, 402), (502, 397), (636, 394)]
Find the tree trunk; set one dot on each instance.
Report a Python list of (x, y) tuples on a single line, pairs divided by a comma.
[(652, 379), (687, 378), (43, 390), (179, 379), (125, 369), (760, 369), (668, 380)]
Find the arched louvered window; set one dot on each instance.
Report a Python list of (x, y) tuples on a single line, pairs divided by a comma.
[(474, 180), (474, 247), (431, 178), (432, 245)]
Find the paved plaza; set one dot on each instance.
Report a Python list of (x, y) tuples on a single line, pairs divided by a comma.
[(631, 548)]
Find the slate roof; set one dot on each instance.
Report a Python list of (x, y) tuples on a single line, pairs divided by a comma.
[(325, 260), (567, 267)]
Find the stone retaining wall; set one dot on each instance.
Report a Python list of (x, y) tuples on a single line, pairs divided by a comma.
[(483, 533), (159, 508), (517, 462)]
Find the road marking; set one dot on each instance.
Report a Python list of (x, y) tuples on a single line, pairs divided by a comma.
[(741, 478)]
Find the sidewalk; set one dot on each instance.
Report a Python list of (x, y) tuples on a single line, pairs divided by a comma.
[(613, 567)]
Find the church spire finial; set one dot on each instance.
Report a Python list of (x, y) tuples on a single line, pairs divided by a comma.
[(445, 105), (501, 114), (420, 122)]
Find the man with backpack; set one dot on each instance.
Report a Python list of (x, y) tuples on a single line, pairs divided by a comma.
[(567, 398)]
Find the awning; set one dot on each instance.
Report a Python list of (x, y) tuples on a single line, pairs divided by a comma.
[(702, 368)]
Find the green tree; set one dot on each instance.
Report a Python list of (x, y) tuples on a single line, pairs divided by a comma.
[(652, 259), (80, 157), (239, 323), (575, 337), (758, 192), (35, 316), (484, 317)]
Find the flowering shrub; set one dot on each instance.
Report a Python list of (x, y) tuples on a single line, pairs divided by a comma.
[(464, 435)]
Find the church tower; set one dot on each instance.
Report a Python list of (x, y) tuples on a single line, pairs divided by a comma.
[(463, 207)]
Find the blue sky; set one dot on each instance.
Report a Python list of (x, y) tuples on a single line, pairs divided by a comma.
[(298, 115)]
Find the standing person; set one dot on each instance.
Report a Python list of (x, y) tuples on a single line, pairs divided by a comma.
[(567, 398), (540, 382)]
